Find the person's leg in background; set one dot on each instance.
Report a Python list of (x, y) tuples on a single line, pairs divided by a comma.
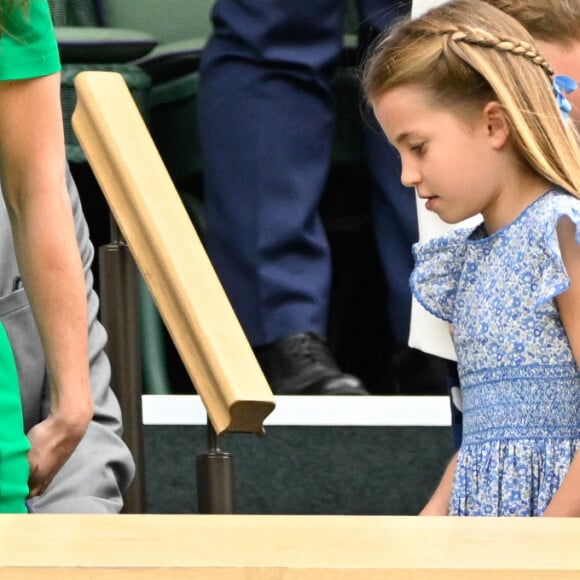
[(265, 114), (395, 224)]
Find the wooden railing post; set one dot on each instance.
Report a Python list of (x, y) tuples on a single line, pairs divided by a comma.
[(171, 258)]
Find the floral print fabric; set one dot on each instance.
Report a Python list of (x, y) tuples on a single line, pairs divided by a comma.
[(519, 381)]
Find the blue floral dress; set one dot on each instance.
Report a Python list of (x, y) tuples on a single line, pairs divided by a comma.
[(519, 381)]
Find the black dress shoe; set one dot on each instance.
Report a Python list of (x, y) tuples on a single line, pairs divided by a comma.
[(303, 365), (417, 373)]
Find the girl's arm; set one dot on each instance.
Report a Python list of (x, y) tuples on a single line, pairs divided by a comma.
[(438, 505), (32, 166), (566, 501)]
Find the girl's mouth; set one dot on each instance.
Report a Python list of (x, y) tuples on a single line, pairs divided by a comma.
[(431, 202)]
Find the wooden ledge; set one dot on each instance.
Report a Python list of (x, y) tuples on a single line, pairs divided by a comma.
[(216, 547)]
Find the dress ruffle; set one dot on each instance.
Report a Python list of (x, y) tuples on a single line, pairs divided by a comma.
[(438, 267), (553, 278)]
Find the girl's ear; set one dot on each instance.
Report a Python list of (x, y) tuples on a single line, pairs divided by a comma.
[(498, 129)]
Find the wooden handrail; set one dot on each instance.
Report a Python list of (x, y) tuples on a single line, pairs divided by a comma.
[(169, 254), (240, 547)]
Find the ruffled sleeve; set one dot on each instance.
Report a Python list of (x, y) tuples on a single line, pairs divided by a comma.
[(438, 266), (553, 279)]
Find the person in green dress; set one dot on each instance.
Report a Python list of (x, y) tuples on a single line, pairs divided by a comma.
[(32, 169)]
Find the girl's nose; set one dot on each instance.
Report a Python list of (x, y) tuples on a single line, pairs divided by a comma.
[(409, 177)]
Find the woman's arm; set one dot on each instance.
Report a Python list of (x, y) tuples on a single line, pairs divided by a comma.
[(566, 501), (32, 166), (101, 468), (438, 505)]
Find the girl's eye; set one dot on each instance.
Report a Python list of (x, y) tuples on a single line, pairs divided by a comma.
[(417, 147)]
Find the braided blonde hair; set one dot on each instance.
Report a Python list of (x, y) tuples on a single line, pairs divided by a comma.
[(466, 53)]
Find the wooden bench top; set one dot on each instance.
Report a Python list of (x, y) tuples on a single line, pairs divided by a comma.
[(245, 547)]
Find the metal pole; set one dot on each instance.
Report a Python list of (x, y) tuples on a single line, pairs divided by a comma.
[(215, 477), (120, 317)]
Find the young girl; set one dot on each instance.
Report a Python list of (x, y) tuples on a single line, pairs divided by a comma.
[(555, 27), (474, 110), (32, 166)]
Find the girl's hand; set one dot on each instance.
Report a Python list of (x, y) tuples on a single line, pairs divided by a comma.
[(52, 443), (558, 512), (438, 505), (433, 509)]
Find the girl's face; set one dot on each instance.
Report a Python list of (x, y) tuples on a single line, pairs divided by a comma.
[(456, 166)]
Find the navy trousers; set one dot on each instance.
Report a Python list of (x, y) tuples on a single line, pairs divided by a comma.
[(266, 121)]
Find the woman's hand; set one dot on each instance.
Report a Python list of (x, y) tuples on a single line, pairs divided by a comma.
[(52, 443)]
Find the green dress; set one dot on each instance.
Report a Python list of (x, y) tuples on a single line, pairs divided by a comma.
[(27, 49)]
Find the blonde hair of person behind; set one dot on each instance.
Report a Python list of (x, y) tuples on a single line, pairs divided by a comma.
[(555, 21), (466, 53)]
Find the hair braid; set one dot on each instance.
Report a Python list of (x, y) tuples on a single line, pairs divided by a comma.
[(466, 53), (483, 38)]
